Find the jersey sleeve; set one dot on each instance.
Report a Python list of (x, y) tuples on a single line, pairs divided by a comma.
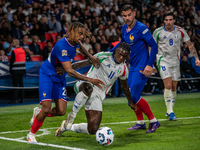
[(124, 75), (103, 55), (62, 54), (146, 34), (184, 35)]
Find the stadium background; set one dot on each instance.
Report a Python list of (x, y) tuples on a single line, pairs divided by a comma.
[(48, 20)]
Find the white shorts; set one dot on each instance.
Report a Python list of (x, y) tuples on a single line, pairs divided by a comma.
[(94, 102), (166, 72)]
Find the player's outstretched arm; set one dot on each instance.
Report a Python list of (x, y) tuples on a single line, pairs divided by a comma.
[(94, 60), (127, 92), (193, 51), (71, 72), (80, 64)]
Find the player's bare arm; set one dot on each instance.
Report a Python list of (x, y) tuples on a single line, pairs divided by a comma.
[(193, 51), (81, 64), (94, 60), (71, 72), (126, 91)]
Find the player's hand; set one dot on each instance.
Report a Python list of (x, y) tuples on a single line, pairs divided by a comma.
[(147, 71), (197, 62), (60, 71), (96, 62), (97, 82), (133, 106)]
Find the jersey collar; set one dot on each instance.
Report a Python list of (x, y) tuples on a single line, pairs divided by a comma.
[(168, 31), (68, 42)]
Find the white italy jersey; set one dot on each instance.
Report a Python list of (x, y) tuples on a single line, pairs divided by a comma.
[(108, 72), (169, 45)]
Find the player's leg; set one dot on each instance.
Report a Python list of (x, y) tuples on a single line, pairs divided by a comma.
[(136, 83), (93, 112), (38, 121), (45, 97), (168, 97), (174, 87), (84, 90)]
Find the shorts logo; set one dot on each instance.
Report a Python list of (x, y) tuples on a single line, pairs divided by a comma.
[(171, 42), (44, 94), (64, 52), (163, 68)]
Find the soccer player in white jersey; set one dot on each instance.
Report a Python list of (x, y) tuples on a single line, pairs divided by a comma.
[(168, 39), (112, 67)]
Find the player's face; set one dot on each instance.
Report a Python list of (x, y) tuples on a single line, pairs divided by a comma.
[(129, 17), (169, 23), (120, 55), (79, 35)]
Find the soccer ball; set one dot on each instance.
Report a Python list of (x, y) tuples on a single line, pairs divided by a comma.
[(104, 136)]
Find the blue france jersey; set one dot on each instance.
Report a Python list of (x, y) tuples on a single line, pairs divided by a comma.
[(63, 51), (138, 39)]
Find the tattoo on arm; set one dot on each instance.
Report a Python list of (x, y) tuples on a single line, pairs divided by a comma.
[(192, 49)]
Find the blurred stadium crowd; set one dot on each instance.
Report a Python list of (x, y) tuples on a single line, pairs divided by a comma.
[(39, 24)]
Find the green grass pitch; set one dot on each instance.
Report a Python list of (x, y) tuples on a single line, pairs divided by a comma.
[(183, 134)]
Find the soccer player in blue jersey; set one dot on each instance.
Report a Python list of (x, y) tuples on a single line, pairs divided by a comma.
[(52, 85), (139, 38)]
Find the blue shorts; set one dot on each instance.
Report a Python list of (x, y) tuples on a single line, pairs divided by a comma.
[(51, 87), (136, 82)]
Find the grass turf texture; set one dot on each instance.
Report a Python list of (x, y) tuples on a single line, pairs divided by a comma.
[(183, 134)]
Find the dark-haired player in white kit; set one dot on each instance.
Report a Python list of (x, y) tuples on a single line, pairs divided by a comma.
[(169, 38)]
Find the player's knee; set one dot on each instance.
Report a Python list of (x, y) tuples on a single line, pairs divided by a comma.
[(88, 89), (61, 112), (46, 111)]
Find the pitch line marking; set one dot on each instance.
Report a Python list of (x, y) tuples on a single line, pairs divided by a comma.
[(66, 147), (197, 117), (43, 144)]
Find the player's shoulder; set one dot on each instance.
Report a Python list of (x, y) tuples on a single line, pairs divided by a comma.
[(103, 54), (158, 30), (179, 28)]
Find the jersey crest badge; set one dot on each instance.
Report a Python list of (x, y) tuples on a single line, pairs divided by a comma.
[(119, 70), (64, 52), (131, 38), (176, 36), (77, 49)]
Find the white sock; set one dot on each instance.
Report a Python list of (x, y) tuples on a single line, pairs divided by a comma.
[(80, 128), (79, 101), (141, 122), (153, 120), (174, 98), (168, 100)]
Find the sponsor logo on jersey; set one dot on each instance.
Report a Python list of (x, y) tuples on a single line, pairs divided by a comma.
[(108, 65), (145, 31), (164, 37), (64, 52), (44, 94)]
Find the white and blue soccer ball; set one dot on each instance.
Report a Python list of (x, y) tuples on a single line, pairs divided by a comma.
[(104, 136)]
